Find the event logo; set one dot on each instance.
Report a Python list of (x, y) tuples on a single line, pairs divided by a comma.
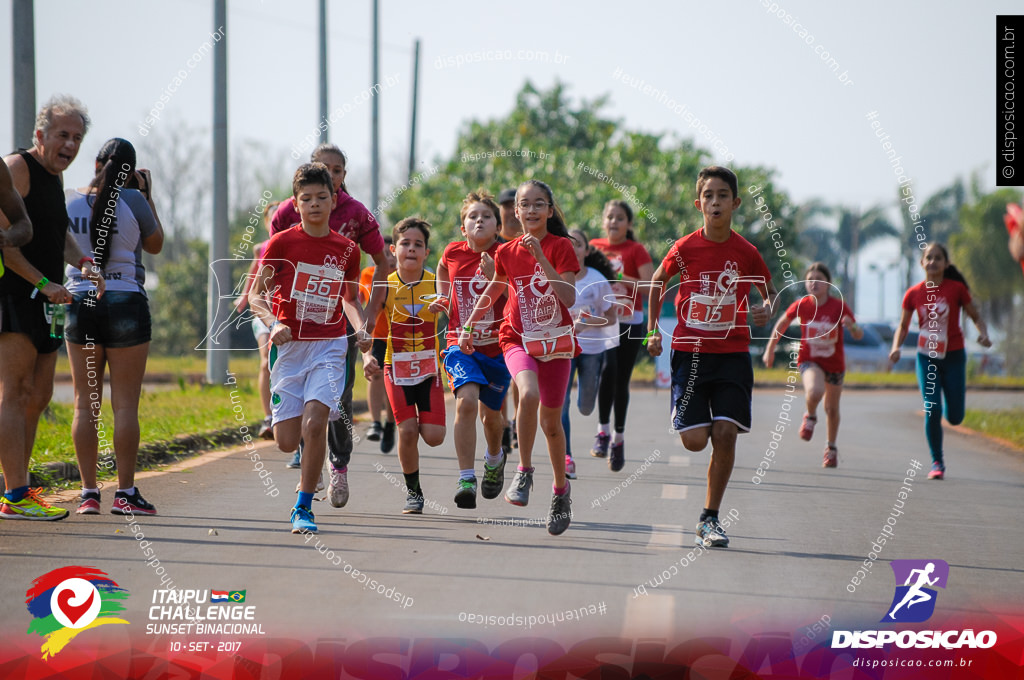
[(70, 600), (914, 601)]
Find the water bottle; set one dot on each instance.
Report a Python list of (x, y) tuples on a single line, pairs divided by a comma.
[(57, 314)]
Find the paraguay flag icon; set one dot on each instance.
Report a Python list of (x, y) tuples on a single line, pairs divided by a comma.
[(218, 596)]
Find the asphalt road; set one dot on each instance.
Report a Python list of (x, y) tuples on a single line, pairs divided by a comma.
[(798, 539)]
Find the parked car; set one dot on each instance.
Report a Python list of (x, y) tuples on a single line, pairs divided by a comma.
[(908, 361)]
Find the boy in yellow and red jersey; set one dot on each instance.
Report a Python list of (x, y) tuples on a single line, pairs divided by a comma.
[(411, 375)]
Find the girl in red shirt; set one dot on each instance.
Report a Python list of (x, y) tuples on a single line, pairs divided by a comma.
[(632, 265), (820, 359), (539, 269), (941, 360)]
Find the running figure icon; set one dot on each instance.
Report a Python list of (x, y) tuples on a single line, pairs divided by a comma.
[(916, 595)]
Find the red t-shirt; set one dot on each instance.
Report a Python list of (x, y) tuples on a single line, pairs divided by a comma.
[(467, 283), (350, 218), (710, 305), (309, 280), (821, 332), (626, 258), (532, 306), (938, 316)]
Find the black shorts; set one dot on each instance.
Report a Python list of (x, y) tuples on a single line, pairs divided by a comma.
[(29, 317), (708, 387), (118, 319), (379, 351)]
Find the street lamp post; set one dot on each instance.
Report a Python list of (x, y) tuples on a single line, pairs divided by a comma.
[(882, 270)]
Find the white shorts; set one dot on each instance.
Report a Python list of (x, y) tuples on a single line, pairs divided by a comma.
[(306, 370)]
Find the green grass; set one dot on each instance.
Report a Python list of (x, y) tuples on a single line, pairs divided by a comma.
[(164, 415), (644, 371), (1008, 425), (195, 364)]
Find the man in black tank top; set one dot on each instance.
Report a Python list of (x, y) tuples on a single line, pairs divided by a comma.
[(15, 227), (30, 289)]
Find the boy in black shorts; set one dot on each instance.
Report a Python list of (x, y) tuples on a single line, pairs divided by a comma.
[(712, 373)]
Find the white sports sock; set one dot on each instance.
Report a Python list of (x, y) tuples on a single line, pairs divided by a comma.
[(605, 428), (467, 474), (127, 492), (618, 438), (85, 491)]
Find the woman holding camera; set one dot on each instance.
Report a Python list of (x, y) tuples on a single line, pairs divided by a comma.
[(114, 220)]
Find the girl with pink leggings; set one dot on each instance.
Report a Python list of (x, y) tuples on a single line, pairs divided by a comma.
[(536, 336)]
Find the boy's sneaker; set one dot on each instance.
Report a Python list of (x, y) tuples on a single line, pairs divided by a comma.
[(938, 471), (31, 507), (337, 492), (413, 503), (807, 427), (296, 462), (387, 438), (131, 505), (561, 512), (831, 457), (266, 429), (302, 520), (90, 504), (375, 432), (601, 443), (465, 495), (519, 492), (710, 534), (570, 467), (494, 479), (617, 459), (319, 484)]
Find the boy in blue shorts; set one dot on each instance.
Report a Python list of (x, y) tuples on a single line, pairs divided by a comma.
[(481, 378), (712, 373), (307, 269)]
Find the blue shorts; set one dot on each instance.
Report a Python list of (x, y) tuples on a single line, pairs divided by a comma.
[(489, 373)]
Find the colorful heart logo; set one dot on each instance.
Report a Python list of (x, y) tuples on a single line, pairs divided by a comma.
[(73, 612)]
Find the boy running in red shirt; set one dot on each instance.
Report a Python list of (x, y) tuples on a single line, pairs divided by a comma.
[(306, 270), (712, 374)]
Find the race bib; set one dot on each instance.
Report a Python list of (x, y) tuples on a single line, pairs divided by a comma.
[(411, 368), (316, 292), (932, 343), (712, 312), (822, 337), (555, 343), (467, 291)]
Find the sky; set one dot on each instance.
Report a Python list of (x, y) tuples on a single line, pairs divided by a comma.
[(752, 72)]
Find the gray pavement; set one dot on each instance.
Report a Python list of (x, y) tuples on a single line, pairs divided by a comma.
[(799, 537)]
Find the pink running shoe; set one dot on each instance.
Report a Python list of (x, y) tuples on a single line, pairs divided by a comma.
[(807, 427), (831, 457)]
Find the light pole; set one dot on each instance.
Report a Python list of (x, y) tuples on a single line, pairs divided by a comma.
[(882, 270)]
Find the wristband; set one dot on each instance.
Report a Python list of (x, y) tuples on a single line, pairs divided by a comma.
[(86, 258), (43, 283), (274, 323), (650, 334), (619, 277), (468, 328)]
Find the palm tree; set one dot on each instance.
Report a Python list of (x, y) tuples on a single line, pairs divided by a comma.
[(856, 230), (837, 245)]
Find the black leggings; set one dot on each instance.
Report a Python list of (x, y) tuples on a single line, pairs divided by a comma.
[(618, 369)]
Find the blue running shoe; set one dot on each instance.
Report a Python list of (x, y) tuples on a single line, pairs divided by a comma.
[(302, 520)]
